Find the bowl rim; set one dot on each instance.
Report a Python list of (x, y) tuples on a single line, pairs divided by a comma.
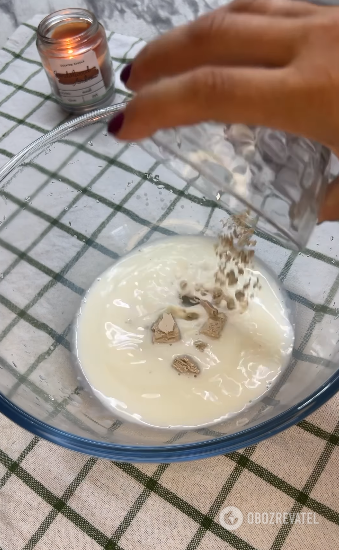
[(175, 452)]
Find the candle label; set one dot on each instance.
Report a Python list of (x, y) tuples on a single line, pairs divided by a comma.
[(79, 78)]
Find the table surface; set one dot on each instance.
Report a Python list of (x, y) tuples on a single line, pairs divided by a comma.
[(141, 18)]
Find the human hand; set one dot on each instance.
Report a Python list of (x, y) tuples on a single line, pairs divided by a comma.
[(270, 63)]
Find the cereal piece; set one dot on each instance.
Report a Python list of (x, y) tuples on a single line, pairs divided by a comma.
[(240, 295), (213, 327), (232, 279), (200, 345), (210, 310), (166, 330), (215, 323), (181, 313), (230, 302), (189, 301), (184, 364)]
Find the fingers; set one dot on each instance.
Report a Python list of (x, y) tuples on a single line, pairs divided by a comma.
[(221, 38), (252, 96), (281, 8), (330, 207)]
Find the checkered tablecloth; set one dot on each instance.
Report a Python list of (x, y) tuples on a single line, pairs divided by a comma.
[(54, 498)]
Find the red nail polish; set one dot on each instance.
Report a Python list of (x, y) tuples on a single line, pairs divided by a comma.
[(115, 124), (125, 73)]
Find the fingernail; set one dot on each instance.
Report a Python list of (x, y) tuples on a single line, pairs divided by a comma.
[(125, 73), (114, 125)]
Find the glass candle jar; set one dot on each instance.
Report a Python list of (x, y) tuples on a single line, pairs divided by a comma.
[(73, 48)]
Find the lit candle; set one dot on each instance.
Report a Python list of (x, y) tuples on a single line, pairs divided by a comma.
[(73, 48)]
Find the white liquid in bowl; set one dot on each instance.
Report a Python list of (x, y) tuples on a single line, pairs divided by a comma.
[(135, 377)]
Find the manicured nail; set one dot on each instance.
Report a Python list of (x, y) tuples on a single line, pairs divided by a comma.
[(125, 73), (114, 125)]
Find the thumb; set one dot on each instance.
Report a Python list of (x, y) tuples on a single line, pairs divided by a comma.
[(252, 96)]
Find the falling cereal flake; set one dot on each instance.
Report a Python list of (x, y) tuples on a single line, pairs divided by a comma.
[(104, 133), (218, 196)]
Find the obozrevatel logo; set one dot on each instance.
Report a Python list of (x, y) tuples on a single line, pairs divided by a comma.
[(231, 518)]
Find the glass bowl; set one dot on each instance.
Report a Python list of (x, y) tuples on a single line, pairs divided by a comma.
[(71, 204)]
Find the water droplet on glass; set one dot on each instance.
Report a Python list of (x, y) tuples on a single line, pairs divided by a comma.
[(182, 206), (1, 275), (218, 196), (42, 378), (156, 177), (59, 179), (90, 143), (27, 199), (97, 201), (104, 133), (75, 236), (332, 238)]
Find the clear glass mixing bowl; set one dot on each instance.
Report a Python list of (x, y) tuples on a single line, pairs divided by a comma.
[(71, 204)]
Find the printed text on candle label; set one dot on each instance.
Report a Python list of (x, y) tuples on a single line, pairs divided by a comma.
[(77, 85)]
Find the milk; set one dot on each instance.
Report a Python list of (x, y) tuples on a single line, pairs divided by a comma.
[(135, 378)]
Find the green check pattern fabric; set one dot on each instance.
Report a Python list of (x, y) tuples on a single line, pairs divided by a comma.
[(51, 497)]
